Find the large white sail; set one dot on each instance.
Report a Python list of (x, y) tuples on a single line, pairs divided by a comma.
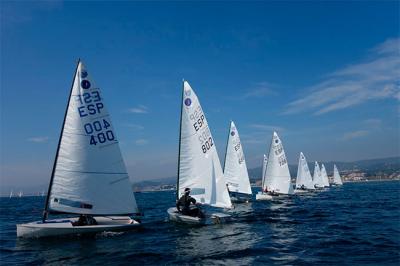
[(277, 175), (303, 174), (235, 169), (264, 168), (325, 179), (199, 165), (90, 175), (337, 180), (317, 177)]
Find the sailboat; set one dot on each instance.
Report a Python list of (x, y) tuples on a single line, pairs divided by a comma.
[(317, 177), (325, 179), (304, 180), (277, 178), (264, 168), (20, 194), (337, 180), (199, 167), (11, 194), (235, 169), (89, 177)]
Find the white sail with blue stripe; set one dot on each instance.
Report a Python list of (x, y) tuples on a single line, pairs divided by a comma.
[(277, 175), (89, 175), (235, 169), (199, 166)]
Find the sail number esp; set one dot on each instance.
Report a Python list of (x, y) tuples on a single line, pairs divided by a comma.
[(198, 120)]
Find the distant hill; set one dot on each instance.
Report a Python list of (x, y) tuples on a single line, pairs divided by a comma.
[(370, 167)]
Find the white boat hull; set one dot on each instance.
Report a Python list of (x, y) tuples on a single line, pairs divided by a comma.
[(263, 196), (299, 191), (60, 227), (214, 218)]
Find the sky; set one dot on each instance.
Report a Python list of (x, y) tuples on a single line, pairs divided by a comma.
[(324, 75)]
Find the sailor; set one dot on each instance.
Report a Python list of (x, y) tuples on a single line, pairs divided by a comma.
[(85, 220), (184, 205)]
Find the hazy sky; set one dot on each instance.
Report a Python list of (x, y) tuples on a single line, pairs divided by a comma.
[(324, 75)]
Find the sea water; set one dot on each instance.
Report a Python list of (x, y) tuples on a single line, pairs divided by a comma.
[(356, 224)]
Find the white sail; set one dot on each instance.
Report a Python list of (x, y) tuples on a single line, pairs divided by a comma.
[(199, 165), (277, 175), (317, 177), (235, 169), (11, 194), (325, 179), (337, 180), (264, 168), (303, 174), (90, 175)]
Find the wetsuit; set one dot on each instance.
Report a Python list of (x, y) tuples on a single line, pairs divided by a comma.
[(183, 206)]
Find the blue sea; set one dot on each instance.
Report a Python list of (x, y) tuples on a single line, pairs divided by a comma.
[(356, 224)]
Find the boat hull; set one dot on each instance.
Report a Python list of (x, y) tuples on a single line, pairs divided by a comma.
[(263, 196), (62, 227), (239, 197), (214, 218)]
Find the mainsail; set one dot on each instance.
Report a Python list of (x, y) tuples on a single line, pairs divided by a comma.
[(325, 179), (277, 175), (235, 169), (337, 180), (89, 174), (303, 174), (317, 177), (199, 166)]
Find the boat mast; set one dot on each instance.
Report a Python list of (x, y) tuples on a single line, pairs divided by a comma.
[(227, 143), (180, 134), (46, 208)]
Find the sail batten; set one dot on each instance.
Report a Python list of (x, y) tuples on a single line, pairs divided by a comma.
[(235, 169), (199, 167), (89, 176)]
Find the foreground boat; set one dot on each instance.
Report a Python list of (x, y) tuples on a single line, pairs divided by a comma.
[(89, 177), (276, 180), (235, 169), (199, 167), (304, 182), (65, 226)]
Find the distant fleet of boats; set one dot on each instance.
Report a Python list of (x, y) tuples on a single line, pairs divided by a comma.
[(89, 178)]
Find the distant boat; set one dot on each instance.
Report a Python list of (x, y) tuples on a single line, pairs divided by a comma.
[(199, 168), (277, 179), (89, 177), (11, 194), (337, 180), (20, 194), (304, 180), (325, 179), (317, 177), (42, 194), (264, 169), (235, 169)]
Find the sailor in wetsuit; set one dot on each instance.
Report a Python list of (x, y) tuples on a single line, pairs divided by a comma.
[(183, 205), (85, 220)]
